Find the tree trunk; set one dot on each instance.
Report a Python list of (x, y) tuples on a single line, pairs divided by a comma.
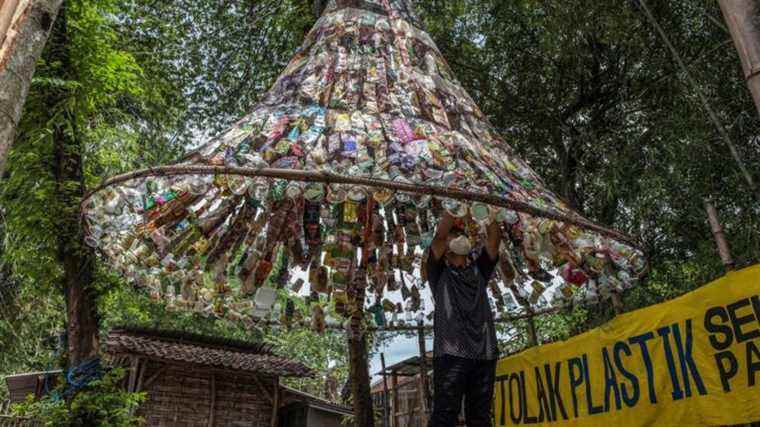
[(76, 258), (7, 13), (18, 57), (743, 19), (359, 369)]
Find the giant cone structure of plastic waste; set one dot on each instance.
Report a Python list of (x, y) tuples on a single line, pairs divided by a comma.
[(330, 189)]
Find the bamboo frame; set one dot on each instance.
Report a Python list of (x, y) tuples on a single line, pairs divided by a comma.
[(331, 178), (275, 402), (413, 328)]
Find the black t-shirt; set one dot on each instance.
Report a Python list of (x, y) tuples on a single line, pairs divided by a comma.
[(463, 322)]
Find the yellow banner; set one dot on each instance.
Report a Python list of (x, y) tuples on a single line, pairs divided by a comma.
[(694, 360)]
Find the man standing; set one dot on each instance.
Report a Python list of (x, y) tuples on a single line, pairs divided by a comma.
[(464, 346)]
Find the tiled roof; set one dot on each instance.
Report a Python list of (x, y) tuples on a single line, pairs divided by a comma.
[(174, 347)]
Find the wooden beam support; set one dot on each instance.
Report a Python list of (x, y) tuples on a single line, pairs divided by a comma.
[(263, 389), (720, 237), (159, 370), (134, 365), (394, 410), (532, 335), (142, 367), (275, 402), (423, 384), (386, 395)]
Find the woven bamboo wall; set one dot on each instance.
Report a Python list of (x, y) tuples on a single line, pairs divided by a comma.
[(183, 397)]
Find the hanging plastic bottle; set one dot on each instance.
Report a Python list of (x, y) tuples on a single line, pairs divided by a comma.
[(263, 268), (481, 213), (317, 318)]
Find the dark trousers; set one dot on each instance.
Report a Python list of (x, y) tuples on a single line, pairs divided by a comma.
[(456, 377)]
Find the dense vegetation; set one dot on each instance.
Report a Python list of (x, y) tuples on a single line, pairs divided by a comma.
[(585, 90)]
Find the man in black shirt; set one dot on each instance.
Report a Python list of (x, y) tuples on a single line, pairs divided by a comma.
[(464, 345)]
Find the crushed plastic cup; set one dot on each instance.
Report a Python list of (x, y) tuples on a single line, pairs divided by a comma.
[(455, 208), (481, 213), (314, 192)]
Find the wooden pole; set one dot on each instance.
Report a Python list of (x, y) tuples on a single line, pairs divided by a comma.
[(617, 303), (212, 414), (743, 21), (423, 384), (275, 402), (720, 238), (394, 407), (532, 335), (386, 395)]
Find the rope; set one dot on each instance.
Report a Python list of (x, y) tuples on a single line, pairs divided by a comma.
[(80, 376), (77, 378)]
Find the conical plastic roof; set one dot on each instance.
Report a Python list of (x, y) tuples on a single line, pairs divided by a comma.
[(337, 178)]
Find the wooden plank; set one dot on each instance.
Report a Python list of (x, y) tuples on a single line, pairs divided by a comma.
[(134, 364), (394, 410), (263, 389), (386, 395), (213, 400), (141, 378), (275, 402), (422, 383), (154, 377)]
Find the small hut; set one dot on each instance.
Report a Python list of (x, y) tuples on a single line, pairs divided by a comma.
[(194, 380), (305, 410), (408, 402), (401, 394)]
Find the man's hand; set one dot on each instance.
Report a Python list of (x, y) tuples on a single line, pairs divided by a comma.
[(493, 240), (438, 247)]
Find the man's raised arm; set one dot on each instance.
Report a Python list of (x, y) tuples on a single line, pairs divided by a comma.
[(438, 247), (493, 240)]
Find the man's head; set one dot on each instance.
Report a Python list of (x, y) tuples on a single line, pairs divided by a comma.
[(458, 246)]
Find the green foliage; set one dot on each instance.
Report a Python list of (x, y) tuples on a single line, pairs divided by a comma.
[(326, 354), (124, 305), (587, 92), (103, 402), (584, 90)]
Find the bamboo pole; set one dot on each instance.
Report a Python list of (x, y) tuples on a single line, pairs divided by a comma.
[(275, 402), (330, 178), (422, 384), (720, 238), (386, 395), (743, 21), (532, 335), (212, 413), (426, 328), (394, 411)]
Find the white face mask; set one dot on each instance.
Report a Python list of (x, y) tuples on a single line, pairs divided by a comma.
[(460, 245)]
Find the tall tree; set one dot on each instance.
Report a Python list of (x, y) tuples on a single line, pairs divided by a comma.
[(18, 58)]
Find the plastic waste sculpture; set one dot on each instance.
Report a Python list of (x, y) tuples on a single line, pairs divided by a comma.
[(340, 173)]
